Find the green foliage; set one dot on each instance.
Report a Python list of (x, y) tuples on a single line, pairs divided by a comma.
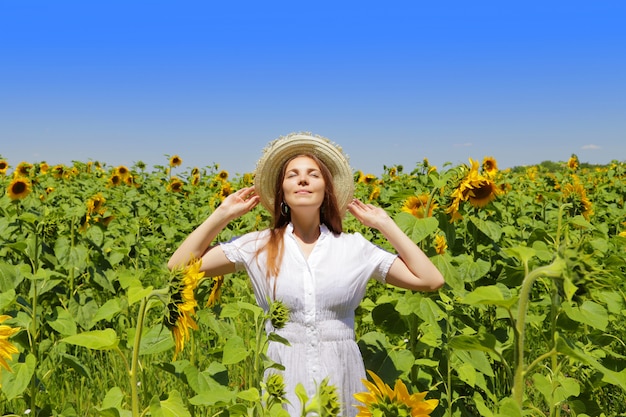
[(531, 320)]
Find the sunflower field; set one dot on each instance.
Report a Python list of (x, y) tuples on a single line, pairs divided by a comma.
[(531, 321)]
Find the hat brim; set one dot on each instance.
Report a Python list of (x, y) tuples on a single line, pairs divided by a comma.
[(282, 149)]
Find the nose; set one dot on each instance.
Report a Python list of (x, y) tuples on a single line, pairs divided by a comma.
[(303, 180)]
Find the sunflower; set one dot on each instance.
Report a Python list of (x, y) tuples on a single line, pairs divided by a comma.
[(573, 163), (375, 193), (95, 204), (476, 188), (248, 179), (122, 171), (4, 167), (44, 168), (6, 348), (19, 188), (418, 205), (58, 171), (130, 181), (279, 314), (175, 161), (114, 180), (483, 192), (327, 404), (490, 166), (223, 175), (382, 401), (23, 169), (175, 185), (440, 244), (274, 388), (216, 290), (195, 180), (367, 178), (182, 305), (552, 181), (576, 195), (225, 191)]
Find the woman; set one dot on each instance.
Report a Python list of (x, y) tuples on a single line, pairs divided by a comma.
[(307, 262)]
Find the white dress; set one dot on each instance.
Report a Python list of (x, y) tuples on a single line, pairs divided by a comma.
[(321, 293)]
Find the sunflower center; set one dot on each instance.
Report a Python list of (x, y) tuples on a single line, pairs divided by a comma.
[(19, 187)]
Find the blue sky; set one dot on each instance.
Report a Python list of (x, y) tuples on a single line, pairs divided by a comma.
[(392, 82)]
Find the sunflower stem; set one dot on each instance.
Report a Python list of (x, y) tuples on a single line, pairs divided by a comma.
[(135, 358), (554, 271)]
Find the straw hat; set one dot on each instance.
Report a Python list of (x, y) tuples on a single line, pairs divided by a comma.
[(275, 155)]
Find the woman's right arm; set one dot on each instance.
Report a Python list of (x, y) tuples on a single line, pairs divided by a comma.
[(198, 243)]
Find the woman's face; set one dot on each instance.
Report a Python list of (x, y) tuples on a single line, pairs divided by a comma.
[(303, 184)]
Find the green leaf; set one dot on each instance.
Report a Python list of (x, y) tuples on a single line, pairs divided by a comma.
[(108, 310), (75, 363), (449, 271), (490, 229), (113, 398), (274, 337), (403, 360), (509, 408), (481, 406), (218, 395), (251, 395), (497, 295), (96, 235), (137, 294), (157, 339), (580, 222), (567, 348), (95, 339), (471, 270), (172, 407), (485, 342), (15, 383), (6, 299), (62, 321), (467, 374), (387, 318), (416, 229), (234, 351), (589, 313), (12, 275), (112, 404), (409, 304), (523, 253)]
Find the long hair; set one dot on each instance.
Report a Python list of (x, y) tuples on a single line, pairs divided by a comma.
[(330, 215)]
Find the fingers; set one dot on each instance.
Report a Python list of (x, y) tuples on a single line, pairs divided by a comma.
[(356, 203)]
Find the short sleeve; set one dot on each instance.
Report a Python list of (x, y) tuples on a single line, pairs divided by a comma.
[(376, 256), (241, 250)]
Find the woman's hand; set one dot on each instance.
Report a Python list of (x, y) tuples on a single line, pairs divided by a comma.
[(368, 214), (239, 203), (412, 269)]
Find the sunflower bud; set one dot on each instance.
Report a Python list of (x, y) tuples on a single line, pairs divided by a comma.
[(275, 386), (329, 400), (279, 314)]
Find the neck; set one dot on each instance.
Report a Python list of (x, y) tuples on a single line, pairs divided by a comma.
[(306, 228)]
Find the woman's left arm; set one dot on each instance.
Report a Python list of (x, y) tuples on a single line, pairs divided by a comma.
[(412, 270)]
